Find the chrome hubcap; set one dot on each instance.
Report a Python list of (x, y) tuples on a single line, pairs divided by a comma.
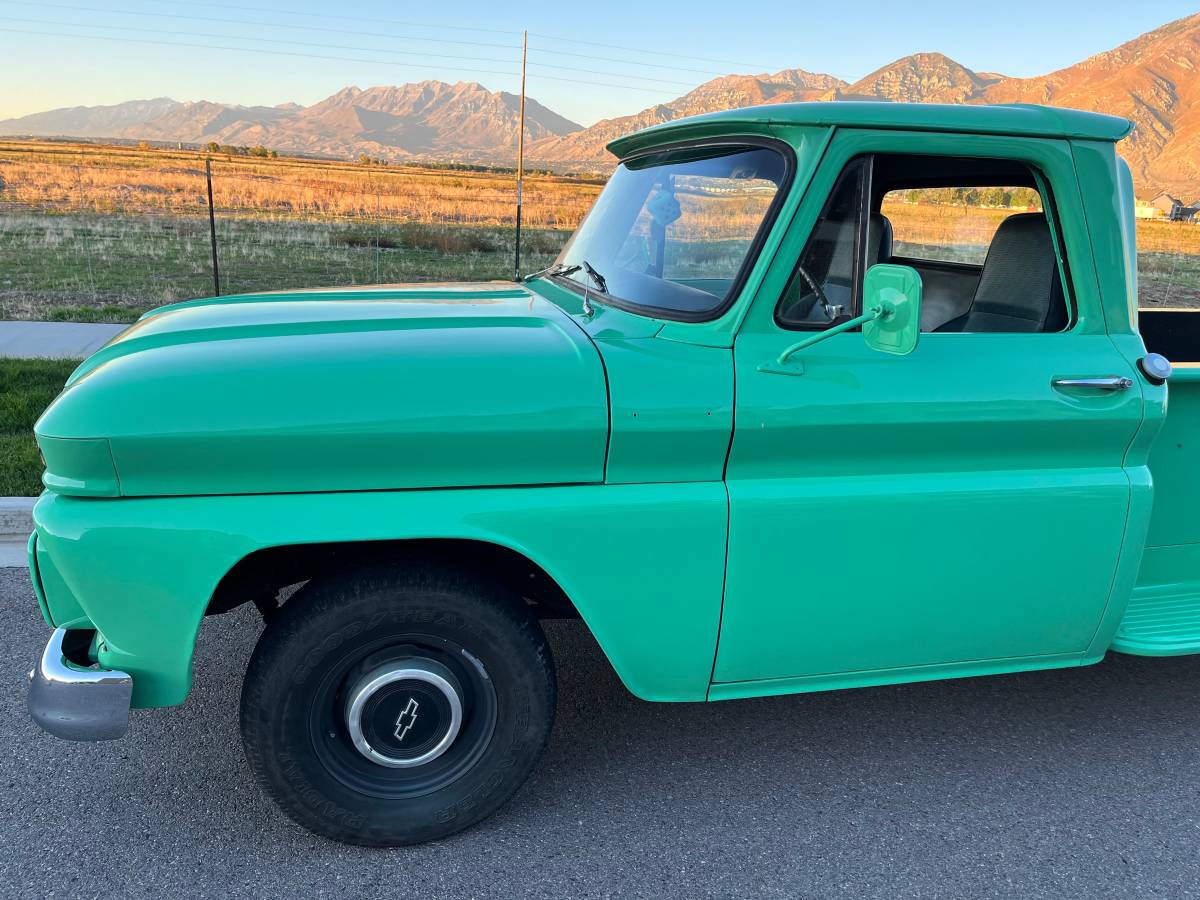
[(405, 713)]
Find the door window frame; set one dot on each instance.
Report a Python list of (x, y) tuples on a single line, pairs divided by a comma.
[(1050, 161)]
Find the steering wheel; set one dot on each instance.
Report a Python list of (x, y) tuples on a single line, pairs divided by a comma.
[(818, 290)]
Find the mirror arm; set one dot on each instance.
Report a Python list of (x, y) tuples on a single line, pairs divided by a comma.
[(875, 312)]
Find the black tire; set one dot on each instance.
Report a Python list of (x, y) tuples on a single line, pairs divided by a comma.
[(309, 667)]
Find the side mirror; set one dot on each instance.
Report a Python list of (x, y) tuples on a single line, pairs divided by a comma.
[(896, 292), (891, 318)]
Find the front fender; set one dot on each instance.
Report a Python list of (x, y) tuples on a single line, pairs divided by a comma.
[(643, 564)]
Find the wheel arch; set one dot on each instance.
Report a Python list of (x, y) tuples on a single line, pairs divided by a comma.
[(263, 574)]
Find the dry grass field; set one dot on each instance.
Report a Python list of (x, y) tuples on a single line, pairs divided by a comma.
[(952, 232), (102, 233), (1168, 252), (104, 179)]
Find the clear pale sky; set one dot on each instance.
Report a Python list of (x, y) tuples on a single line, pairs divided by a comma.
[(88, 52)]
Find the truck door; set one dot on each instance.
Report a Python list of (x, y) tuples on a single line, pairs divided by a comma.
[(957, 510)]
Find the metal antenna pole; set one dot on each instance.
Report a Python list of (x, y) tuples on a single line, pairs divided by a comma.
[(520, 159)]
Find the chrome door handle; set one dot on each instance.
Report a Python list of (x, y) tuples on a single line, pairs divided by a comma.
[(1106, 383)]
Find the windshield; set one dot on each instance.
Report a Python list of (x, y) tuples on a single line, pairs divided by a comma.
[(671, 232)]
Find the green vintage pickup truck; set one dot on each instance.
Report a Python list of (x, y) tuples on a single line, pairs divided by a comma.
[(818, 396)]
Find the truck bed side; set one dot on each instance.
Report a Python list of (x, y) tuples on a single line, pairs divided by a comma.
[(1163, 616)]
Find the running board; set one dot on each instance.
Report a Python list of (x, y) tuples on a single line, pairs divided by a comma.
[(1161, 620)]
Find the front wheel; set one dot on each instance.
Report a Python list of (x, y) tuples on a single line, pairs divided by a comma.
[(390, 707)]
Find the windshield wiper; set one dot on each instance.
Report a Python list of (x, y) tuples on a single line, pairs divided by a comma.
[(601, 284), (562, 269), (556, 269)]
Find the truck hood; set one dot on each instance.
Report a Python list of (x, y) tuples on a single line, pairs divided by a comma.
[(353, 389)]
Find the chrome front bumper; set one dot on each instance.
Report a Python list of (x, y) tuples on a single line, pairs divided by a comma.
[(77, 703)]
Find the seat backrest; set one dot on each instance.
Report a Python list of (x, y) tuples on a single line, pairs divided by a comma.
[(1019, 288)]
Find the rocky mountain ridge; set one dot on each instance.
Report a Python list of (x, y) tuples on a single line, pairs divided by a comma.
[(1154, 80)]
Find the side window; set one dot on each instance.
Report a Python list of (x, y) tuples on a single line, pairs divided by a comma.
[(954, 225), (980, 232), (822, 288)]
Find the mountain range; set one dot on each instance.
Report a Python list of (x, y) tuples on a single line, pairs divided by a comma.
[(410, 121), (1153, 80)]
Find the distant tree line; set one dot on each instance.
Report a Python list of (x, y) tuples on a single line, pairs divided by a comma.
[(994, 197), (455, 166), (230, 150)]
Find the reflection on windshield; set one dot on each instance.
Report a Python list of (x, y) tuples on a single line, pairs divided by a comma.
[(672, 231)]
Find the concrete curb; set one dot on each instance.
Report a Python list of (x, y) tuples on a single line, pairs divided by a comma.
[(14, 553), (16, 521), (54, 340), (16, 515)]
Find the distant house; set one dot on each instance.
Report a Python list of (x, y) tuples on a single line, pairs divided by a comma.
[(1165, 203), (1174, 209)]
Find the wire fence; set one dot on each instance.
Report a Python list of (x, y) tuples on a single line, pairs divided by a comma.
[(100, 233)]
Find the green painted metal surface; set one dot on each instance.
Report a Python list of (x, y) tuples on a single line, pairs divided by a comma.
[(896, 290), (831, 681), (1163, 616), (143, 570), (327, 392), (39, 592), (60, 607), (955, 505), (1174, 461), (1019, 120), (671, 403), (845, 518), (83, 467), (1107, 200), (886, 513)]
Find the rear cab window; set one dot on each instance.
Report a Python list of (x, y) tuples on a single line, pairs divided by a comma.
[(954, 225)]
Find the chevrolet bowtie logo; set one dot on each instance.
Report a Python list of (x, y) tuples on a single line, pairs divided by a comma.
[(406, 720)]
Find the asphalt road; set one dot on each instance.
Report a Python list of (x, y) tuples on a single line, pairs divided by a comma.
[(1078, 783)]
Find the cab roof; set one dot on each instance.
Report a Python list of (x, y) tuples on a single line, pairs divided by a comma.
[(1024, 120)]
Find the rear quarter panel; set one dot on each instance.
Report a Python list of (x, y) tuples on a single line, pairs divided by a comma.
[(1174, 463)]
